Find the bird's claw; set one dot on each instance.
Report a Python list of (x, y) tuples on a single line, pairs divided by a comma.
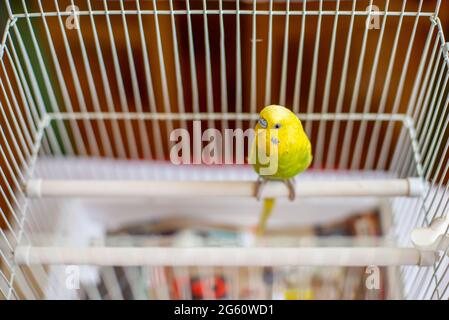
[(261, 182), (290, 183)]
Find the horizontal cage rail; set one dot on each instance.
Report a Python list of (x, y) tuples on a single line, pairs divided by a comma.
[(307, 256), (225, 116), (227, 12), (412, 187)]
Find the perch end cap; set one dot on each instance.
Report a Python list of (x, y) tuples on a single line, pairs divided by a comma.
[(433, 237)]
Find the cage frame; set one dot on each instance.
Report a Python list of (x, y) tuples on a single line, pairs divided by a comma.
[(44, 124)]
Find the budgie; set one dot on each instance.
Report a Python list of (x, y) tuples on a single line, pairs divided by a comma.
[(280, 151)]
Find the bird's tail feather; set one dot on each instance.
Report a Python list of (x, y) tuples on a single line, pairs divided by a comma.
[(268, 205)]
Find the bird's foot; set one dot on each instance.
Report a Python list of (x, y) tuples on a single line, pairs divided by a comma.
[(261, 182), (290, 183)]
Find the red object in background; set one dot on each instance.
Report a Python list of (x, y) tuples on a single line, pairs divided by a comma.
[(202, 288)]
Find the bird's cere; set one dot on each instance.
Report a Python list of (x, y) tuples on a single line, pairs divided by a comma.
[(263, 123)]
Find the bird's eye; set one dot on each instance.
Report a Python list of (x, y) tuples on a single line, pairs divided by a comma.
[(277, 125), (263, 122)]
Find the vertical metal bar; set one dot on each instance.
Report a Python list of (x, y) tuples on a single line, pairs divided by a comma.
[(117, 137), (9, 226), (31, 109), (330, 162), (417, 114), (269, 56), (325, 106), (433, 114), (442, 275), (223, 77), (6, 283), (67, 145), (41, 278), (253, 94), (193, 75), (438, 190), (298, 75), (18, 203), (80, 147), (179, 85), (157, 138), (17, 131), (132, 147), (10, 207), (283, 87), (19, 151), (7, 241), (93, 92), (25, 285), (385, 90), (386, 143), (165, 93), (428, 170), (344, 155), (355, 163), (143, 134), (427, 116), (31, 127), (36, 92), (13, 176), (208, 65), (412, 103), (238, 67), (431, 153), (93, 145), (17, 118), (313, 76)]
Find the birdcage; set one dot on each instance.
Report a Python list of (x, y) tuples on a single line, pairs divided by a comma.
[(91, 92)]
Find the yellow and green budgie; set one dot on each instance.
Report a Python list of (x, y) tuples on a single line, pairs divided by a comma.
[(280, 151)]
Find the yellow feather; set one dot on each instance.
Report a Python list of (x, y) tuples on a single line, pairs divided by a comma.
[(268, 205), (294, 150)]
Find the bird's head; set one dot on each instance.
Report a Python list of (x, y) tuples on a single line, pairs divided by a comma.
[(277, 118)]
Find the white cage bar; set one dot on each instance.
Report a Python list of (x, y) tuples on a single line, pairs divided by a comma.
[(119, 256), (95, 188)]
